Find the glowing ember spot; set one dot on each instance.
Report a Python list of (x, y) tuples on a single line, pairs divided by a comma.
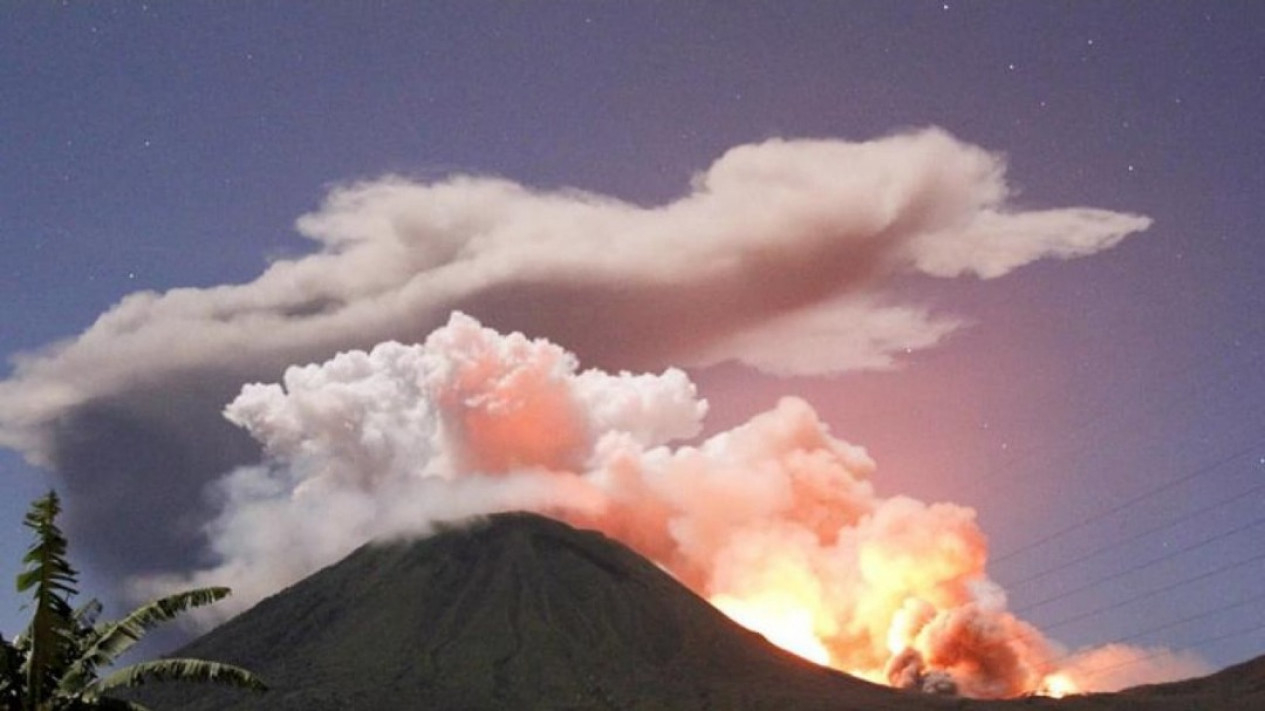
[(907, 621), (786, 625), (1058, 686)]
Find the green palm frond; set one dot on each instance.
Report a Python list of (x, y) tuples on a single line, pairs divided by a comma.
[(46, 566), (55, 664), (86, 615), (198, 670), (51, 579), (114, 639), (111, 704)]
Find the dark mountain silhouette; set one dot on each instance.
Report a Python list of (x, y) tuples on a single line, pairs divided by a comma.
[(1241, 686), (517, 611)]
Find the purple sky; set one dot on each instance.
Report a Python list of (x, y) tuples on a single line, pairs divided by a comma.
[(151, 147)]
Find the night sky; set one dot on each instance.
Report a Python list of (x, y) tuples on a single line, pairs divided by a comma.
[(1103, 415)]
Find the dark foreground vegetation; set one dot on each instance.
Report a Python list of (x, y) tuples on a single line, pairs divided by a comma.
[(57, 663)]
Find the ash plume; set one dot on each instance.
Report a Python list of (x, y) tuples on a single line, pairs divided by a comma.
[(775, 521), (786, 255)]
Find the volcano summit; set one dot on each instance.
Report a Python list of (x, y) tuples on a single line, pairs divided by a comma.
[(520, 611), (514, 611)]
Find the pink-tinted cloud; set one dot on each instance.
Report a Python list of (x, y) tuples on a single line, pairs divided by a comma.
[(785, 255)]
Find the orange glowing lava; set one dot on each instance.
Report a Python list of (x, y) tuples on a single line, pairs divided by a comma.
[(780, 621), (1057, 686)]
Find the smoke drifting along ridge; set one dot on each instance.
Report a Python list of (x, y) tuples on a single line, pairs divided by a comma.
[(775, 521)]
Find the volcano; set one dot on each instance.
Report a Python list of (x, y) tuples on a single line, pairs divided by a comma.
[(518, 611)]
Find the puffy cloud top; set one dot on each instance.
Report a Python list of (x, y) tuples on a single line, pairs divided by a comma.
[(780, 256)]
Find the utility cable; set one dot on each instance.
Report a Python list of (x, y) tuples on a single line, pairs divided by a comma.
[(1170, 624), (1095, 671), (1152, 593), (1100, 410), (1191, 618), (1117, 543), (1171, 484), (1141, 566)]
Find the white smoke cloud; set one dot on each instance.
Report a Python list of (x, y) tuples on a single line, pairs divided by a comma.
[(786, 255), (775, 520), (1113, 667), (781, 256)]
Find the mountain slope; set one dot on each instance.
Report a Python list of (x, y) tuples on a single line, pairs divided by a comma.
[(516, 611), (1241, 686)]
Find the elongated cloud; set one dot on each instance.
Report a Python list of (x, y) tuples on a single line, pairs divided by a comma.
[(775, 521), (781, 255)]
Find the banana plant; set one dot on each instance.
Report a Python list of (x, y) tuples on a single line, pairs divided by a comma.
[(57, 663)]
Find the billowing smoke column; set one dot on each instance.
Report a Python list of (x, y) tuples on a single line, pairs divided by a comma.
[(790, 256), (775, 521)]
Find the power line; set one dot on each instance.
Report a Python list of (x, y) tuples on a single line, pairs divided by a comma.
[(1220, 373), (1171, 624), (1132, 501), (1191, 618), (1141, 534), (1156, 591), (1221, 402), (1094, 671), (1121, 573), (1100, 410)]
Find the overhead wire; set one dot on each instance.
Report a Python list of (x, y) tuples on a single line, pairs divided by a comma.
[(1134, 500), (1115, 510), (1211, 398), (1191, 618), (1227, 369), (1170, 624), (1208, 468), (1108, 405), (1096, 671), (1121, 542), (1142, 566), (1223, 376), (1154, 592)]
